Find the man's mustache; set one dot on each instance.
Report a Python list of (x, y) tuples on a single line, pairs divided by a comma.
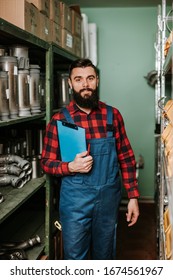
[(84, 89)]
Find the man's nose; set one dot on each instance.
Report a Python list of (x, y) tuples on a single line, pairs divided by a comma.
[(85, 83)]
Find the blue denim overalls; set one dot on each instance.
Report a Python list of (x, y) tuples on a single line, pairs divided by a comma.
[(89, 202)]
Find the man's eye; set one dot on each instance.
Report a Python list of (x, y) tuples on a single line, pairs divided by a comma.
[(78, 80), (91, 78)]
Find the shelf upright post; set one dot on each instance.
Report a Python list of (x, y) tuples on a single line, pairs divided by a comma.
[(49, 83), (157, 95), (49, 190), (158, 66), (162, 177), (159, 103), (171, 181), (157, 123), (162, 48)]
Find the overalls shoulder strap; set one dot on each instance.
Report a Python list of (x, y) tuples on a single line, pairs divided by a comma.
[(67, 115), (110, 128)]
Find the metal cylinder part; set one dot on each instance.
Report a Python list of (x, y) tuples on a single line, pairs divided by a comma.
[(10, 169), (24, 244), (34, 89), (42, 91), (4, 98), (21, 52), (40, 140), (28, 134), (3, 50), (18, 51), (34, 168), (1, 148), (6, 179), (39, 169), (63, 91), (9, 64), (1, 198), (23, 147), (13, 147), (22, 163), (23, 93)]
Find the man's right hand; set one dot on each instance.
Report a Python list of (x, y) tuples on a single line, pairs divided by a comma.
[(81, 164)]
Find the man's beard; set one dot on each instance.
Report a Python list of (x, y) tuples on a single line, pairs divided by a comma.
[(89, 102)]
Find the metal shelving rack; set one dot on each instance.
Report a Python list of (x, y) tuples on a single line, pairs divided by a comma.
[(163, 181), (53, 58)]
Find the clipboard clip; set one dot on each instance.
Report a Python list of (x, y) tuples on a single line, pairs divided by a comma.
[(70, 125)]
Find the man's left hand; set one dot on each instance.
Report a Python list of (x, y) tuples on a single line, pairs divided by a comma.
[(132, 211)]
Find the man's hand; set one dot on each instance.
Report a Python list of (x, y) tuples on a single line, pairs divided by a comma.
[(82, 163), (132, 211)]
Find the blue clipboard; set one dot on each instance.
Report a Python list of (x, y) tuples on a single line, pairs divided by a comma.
[(72, 140)]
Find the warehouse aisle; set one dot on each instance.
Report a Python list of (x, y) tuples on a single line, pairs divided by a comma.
[(140, 241)]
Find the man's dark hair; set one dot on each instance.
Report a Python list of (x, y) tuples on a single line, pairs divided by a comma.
[(82, 63)]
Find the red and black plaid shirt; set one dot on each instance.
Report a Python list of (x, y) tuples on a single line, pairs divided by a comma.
[(95, 126)]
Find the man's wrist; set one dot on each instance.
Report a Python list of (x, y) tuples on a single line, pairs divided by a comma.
[(70, 168)]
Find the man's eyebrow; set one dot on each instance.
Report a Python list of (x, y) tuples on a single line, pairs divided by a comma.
[(91, 76), (77, 77)]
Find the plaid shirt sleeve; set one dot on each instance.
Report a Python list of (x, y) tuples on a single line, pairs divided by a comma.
[(126, 157), (50, 161)]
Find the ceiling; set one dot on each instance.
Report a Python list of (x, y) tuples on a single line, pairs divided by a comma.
[(117, 3)]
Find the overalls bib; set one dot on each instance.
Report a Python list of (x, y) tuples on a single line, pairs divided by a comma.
[(89, 202)]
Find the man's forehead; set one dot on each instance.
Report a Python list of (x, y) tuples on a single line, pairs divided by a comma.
[(83, 71)]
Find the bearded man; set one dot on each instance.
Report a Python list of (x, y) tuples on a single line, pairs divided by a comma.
[(91, 188)]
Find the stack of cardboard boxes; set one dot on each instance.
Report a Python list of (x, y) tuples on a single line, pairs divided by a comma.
[(76, 30), (66, 24), (43, 7), (168, 234), (55, 21), (50, 20), (167, 140)]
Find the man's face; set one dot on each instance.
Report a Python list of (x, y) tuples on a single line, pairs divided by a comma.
[(84, 83)]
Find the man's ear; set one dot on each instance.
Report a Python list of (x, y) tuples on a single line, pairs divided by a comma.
[(69, 82), (97, 81)]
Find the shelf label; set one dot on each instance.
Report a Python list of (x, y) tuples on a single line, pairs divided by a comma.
[(69, 41)]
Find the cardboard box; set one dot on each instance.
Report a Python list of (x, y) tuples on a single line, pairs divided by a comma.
[(76, 20), (67, 40), (56, 33), (76, 24), (77, 46), (55, 11), (66, 17), (42, 5), (44, 28), (20, 13)]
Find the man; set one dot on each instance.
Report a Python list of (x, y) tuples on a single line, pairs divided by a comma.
[(90, 184)]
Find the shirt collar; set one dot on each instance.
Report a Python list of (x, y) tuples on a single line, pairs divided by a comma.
[(73, 108)]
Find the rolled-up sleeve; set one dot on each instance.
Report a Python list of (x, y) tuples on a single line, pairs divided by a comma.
[(50, 160), (126, 157)]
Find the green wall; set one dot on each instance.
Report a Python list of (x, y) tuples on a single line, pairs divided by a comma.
[(126, 53)]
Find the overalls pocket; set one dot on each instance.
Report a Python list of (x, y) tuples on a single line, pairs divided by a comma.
[(105, 165)]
